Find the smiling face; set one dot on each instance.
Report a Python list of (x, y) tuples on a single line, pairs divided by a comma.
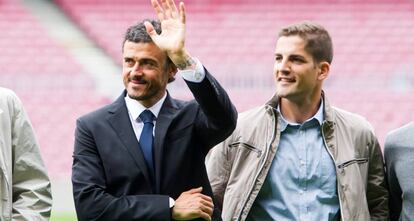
[(145, 72), (297, 75)]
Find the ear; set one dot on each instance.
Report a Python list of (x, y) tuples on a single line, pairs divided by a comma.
[(324, 68), (172, 71)]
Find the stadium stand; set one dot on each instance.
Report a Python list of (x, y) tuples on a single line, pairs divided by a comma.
[(372, 72), (52, 85)]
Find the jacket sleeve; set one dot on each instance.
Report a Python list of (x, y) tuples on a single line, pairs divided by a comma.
[(217, 117), (218, 164), (93, 200), (395, 202), (32, 199), (377, 188)]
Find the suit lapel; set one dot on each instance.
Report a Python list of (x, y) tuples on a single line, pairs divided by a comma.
[(120, 122), (166, 115)]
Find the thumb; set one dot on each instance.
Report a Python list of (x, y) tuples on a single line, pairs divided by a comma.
[(196, 190), (150, 29)]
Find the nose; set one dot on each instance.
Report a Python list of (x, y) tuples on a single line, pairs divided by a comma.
[(282, 67), (137, 68)]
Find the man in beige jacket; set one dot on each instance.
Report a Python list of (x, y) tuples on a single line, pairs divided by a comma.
[(297, 157), (24, 183)]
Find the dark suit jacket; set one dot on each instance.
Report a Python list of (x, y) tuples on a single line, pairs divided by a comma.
[(109, 175)]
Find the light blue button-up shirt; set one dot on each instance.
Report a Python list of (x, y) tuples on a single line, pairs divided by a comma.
[(301, 183)]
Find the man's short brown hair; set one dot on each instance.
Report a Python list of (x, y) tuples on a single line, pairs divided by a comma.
[(318, 41)]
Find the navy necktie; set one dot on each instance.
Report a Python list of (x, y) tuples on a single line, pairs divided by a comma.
[(146, 140)]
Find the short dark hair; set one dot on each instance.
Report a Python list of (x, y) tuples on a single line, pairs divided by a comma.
[(138, 34), (318, 40)]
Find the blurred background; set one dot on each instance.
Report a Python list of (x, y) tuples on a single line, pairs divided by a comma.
[(63, 59)]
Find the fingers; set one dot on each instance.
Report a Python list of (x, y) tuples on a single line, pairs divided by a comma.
[(174, 10), (205, 216), (182, 12), (193, 204), (204, 203), (205, 197), (167, 9), (195, 190), (158, 9), (150, 29), (205, 210), (207, 207)]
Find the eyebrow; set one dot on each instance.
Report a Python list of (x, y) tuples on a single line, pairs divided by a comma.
[(297, 56)]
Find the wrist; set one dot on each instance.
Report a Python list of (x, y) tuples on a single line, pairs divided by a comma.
[(183, 60)]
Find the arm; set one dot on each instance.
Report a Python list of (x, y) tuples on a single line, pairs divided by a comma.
[(377, 189), (32, 199), (217, 118), (218, 164), (221, 114), (395, 203)]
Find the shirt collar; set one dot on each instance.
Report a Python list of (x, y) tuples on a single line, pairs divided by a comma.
[(318, 116), (135, 108)]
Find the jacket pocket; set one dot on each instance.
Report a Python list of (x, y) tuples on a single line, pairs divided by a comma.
[(247, 146), (350, 162)]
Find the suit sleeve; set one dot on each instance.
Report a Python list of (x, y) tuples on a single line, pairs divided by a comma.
[(32, 198), (217, 116), (395, 203), (92, 198), (377, 189)]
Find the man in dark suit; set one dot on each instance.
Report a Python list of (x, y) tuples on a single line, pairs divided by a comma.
[(142, 157)]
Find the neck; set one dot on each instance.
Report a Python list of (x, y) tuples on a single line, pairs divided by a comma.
[(299, 111)]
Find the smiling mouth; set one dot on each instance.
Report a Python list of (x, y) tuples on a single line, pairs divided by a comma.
[(137, 80), (286, 80)]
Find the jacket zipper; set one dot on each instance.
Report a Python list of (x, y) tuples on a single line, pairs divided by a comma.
[(247, 146), (358, 160), (330, 154), (261, 167)]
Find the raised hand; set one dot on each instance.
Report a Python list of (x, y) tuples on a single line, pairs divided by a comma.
[(193, 204), (172, 37)]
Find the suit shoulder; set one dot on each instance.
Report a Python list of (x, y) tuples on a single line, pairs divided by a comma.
[(95, 114), (181, 103)]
